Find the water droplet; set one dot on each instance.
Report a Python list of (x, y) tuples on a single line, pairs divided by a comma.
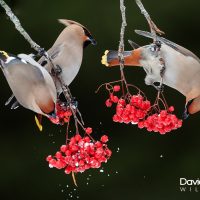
[(116, 172), (161, 156), (62, 190), (101, 170), (108, 174), (67, 186)]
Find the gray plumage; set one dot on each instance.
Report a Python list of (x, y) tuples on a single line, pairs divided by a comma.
[(182, 69), (30, 83)]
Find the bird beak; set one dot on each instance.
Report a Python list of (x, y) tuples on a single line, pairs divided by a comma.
[(92, 40), (88, 40)]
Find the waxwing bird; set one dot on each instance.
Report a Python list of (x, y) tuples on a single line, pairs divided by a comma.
[(67, 51), (182, 67), (30, 83)]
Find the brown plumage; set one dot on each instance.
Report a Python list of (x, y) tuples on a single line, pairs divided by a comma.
[(67, 51)]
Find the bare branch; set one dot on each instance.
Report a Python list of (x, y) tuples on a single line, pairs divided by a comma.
[(19, 27), (121, 42), (154, 29)]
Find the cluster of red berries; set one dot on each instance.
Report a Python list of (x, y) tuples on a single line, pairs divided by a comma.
[(63, 114), (163, 122), (136, 109), (80, 154), (131, 112)]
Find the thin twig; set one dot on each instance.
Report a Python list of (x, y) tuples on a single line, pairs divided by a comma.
[(121, 43), (154, 29), (19, 27)]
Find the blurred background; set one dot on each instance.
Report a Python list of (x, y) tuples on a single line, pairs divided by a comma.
[(144, 165)]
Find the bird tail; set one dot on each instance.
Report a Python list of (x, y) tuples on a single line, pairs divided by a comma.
[(111, 58)]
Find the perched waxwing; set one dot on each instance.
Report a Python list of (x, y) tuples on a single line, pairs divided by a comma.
[(182, 67), (67, 51), (30, 83)]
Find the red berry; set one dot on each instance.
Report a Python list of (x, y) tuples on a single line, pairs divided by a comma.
[(104, 138), (108, 103), (49, 158), (77, 137), (171, 109), (63, 148), (88, 130), (116, 88), (113, 98)]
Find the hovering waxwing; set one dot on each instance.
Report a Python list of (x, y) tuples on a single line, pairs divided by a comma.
[(182, 67), (67, 51), (30, 83)]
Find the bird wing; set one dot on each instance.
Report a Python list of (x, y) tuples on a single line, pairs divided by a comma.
[(52, 52), (173, 45)]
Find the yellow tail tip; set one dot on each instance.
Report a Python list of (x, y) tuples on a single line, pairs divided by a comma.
[(104, 59), (38, 123), (5, 54)]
